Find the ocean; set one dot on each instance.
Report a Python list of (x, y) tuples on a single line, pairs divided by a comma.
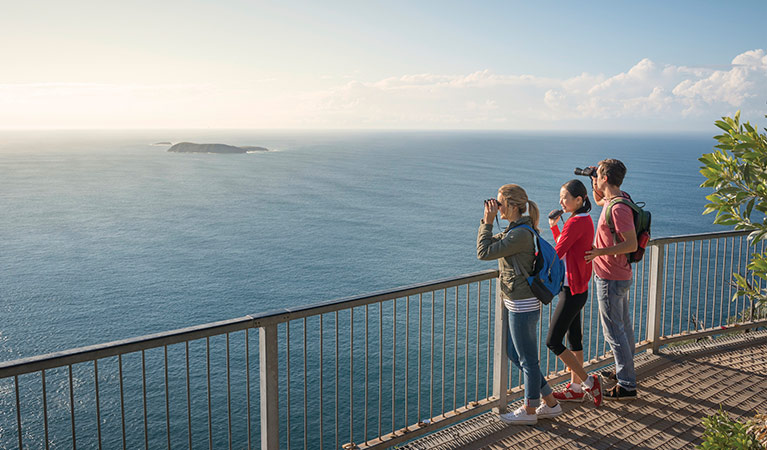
[(106, 236)]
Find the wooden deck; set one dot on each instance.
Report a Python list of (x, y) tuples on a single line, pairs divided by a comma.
[(677, 389)]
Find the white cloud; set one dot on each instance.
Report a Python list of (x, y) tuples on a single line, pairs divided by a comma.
[(743, 86), (675, 93), (751, 58), (648, 95)]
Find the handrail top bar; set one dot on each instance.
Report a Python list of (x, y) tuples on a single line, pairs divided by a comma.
[(114, 348), (286, 314), (699, 236)]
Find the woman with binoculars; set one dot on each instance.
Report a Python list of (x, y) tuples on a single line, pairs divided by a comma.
[(516, 244), (571, 245)]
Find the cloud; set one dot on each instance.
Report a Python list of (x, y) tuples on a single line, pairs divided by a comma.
[(744, 85), (648, 95), (477, 100), (676, 92)]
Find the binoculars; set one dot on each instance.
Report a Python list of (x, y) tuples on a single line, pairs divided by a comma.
[(587, 172)]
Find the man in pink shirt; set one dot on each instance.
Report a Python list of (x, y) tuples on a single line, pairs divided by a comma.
[(612, 275)]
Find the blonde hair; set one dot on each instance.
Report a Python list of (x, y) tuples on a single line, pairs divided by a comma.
[(515, 196)]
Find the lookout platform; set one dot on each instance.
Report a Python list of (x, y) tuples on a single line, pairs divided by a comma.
[(678, 388)]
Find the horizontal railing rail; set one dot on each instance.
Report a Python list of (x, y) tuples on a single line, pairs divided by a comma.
[(285, 314), (121, 347), (698, 237), (368, 371)]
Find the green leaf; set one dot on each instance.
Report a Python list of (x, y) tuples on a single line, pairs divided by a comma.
[(740, 196), (749, 208), (723, 125), (750, 157), (756, 236), (725, 220), (759, 264), (710, 173), (728, 190)]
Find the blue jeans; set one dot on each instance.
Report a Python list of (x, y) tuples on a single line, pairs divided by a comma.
[(613, 297), (522, 348)]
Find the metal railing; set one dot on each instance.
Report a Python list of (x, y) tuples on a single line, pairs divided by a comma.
[(369, 371), (694, 287)]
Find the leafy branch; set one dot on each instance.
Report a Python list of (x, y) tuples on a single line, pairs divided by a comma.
[(737, 171)]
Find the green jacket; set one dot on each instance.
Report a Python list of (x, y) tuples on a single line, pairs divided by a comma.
[(502, 246)]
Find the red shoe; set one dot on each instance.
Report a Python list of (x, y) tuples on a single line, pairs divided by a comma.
[(569, 395), (596, 391)]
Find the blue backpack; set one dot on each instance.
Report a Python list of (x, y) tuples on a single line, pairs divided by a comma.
[(548, 274)]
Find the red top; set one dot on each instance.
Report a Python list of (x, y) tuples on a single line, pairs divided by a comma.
[(572, 245)]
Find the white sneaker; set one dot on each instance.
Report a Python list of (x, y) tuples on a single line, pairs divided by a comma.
[(520, 417), (547, 412)]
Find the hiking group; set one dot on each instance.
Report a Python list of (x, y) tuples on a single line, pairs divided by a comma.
[(580, 250)]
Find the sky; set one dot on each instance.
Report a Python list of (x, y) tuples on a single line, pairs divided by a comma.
[(500, 65)]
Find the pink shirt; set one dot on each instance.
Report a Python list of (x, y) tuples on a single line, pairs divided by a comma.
[(613, 267)]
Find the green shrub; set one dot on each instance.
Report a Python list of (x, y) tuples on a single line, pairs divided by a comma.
[(737, 171), (723, 433)]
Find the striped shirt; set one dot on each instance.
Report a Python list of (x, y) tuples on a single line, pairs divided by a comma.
[(522, 305)]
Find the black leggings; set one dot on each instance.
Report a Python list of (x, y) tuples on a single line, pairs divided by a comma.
[(567, 320)]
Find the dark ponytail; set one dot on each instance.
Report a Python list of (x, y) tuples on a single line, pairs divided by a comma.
[(577, 189)]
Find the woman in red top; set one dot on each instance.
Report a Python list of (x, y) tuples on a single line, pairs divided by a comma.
[(573, 242)]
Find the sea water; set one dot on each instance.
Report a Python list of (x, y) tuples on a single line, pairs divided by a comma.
[(104, 236)]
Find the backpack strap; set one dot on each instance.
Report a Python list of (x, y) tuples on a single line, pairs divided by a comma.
[(514, 261), (608, 211), (626, 200)]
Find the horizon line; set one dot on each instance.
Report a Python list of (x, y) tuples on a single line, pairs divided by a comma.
[(447, 130)]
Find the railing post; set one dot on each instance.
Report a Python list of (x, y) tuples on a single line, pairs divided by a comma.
[(500, 360), (269, 371), (655, 296)]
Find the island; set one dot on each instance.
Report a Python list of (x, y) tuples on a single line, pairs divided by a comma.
[(190, 147), (162, 143)]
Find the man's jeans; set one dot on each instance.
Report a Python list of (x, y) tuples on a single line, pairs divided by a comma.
[(522, 349), (613, 297)]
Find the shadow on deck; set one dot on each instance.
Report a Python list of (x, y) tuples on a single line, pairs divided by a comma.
[(677, 389)]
